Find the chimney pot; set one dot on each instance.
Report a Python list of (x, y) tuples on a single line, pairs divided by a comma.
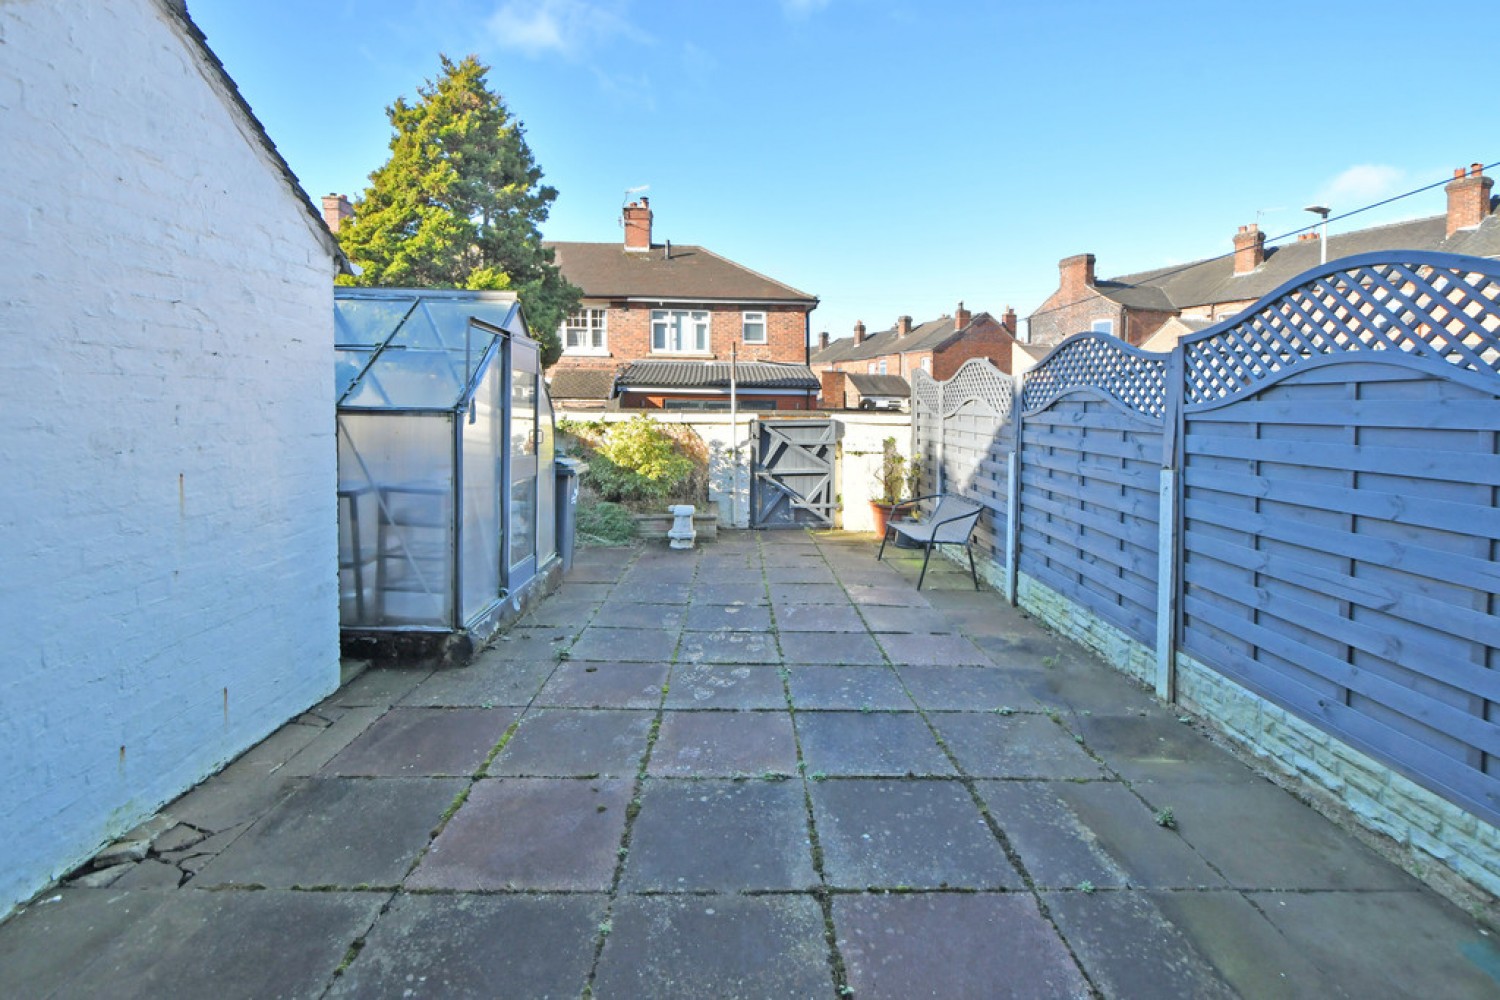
[(1468, 198), (638, 225)]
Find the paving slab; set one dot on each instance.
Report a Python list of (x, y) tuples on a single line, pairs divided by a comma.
[(337, 832), (630, 614), (604, 685), (380, 686), (870, 744), (1260, 837), (229, 945), (652, 591), (530, 833), (735, 617), (968, 689), (720, 836), (571, 742), (462, 945), (270, 756), (1130, 950), (952, 945), (724, 745), (554, 611), (989, 745), (817, 618), (349, 725), (921, 621), (807, 593), (1098, 832), (1090, 687), (806, 571), (526, 643), (907, 649), (726, 685), (424, 742), (893, 834), (47, 944), (731, 588), (816, 688), (729, 647), (1137, 745), (895, 592), (483, 684), (221, 804), (725, 947), (582, 591), (849, 648), (1407, 943), (634, 645)]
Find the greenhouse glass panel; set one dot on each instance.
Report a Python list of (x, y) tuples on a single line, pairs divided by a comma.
[(523, 455), (479, 553), (368, 322), (546, 480), (396, 509)]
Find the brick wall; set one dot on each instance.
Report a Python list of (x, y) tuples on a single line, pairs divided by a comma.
[(628, 333), (168, 589), (985, 339), (1065, 313)]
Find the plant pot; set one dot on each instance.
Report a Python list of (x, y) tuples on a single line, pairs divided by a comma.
[(884, 512)]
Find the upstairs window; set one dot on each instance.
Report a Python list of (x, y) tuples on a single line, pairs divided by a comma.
[(679, 331), (882, 367), (753, 327), (1104, 326), (585, 332)]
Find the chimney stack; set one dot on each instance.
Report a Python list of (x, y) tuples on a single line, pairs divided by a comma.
[(336, 209), (961, 317), (638, 225), (1468, 198), (903, 326), (1077, 274), (823, 341), (1249, 249), (1009, 320), (859, 332)]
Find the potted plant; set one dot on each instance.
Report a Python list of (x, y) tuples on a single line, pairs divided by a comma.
[(891, 483)]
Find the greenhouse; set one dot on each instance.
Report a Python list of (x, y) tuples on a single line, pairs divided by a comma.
[(445, 460)]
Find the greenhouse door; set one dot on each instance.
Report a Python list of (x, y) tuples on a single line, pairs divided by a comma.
[(521, 512)]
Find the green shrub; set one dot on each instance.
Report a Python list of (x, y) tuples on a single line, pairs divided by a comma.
[(642, 446), (605, 523)]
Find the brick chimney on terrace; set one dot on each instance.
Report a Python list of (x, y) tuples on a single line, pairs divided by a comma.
[(638, 225), (1468, 198), (961, 317), (903, 326), (1249, 249), (1077, 273), (823, 341), (859, 332), (336, 209), (1009, 320)]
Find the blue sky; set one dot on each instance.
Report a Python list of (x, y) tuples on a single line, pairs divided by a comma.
[(895, 157)]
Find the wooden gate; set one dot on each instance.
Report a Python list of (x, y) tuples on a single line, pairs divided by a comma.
[(793, 484)]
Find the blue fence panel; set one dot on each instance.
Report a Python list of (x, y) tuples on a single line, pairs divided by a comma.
[(1341, 510), (1092, 425)]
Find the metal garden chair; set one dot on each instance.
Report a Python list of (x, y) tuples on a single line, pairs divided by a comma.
[(951, 522)]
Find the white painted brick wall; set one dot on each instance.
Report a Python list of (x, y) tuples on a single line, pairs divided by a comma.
[(168, 592)]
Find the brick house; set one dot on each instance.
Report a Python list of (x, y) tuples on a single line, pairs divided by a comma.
[(885, 360), (1154, 308), (659, 322)]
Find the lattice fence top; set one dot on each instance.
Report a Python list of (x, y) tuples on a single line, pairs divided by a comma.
[(1135, 378), (975, 381), (1436, 306), (926, 393)]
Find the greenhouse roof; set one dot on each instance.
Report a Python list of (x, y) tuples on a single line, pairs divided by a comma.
[(416, 348)]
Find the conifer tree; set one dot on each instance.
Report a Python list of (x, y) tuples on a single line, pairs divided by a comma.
[(458, 203)]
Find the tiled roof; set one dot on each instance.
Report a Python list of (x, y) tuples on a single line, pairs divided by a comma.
[(581, 383), (607, 270), (715, 375), (1210, 281), (930, 336), (879, 385)]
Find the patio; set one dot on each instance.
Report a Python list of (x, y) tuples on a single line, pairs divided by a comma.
[(764, 768)]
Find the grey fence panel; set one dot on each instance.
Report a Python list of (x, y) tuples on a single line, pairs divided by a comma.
[(963, 435), (1088, 497), (1341, 511)]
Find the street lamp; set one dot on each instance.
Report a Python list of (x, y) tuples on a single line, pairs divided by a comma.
[(1323, 211)]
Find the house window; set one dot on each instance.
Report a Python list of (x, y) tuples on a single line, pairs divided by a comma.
[(679, 331), (926, 363), (872, 368), (584, 332), (753, 327), (882, 366), (1104, 326)]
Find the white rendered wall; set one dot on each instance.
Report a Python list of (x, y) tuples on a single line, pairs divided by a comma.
[(168, 589)]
